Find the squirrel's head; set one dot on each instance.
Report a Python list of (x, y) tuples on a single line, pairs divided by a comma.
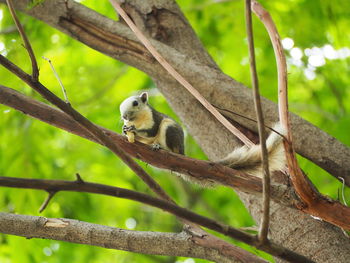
[(133, 105)]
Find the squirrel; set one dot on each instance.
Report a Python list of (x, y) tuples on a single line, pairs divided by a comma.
[(144, 124)]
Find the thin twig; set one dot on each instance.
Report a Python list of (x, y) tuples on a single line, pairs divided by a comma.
[(237, 114), (264, 224), (79, 179), (35, 69), (249, 119), (58, 78), (343, 190), (47, 200), (178, 77), (59, 185)]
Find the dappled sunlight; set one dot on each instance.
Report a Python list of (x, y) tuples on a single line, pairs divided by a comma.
[(315, 56)]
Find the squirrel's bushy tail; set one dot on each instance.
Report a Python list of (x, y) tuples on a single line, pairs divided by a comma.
[(248, 160)]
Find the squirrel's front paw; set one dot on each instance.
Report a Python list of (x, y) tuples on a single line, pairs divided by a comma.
[(127, 129), (156, 147)]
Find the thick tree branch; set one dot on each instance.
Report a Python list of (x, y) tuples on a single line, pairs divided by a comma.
[(56, 185), (116, 40), (80, 232), (199, 169)]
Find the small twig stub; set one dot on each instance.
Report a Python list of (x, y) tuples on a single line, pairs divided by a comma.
[(59, 80)]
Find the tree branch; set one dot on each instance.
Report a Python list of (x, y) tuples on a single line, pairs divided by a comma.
[(198, 169), (314, 203), (58, 185), (265, 219), (47, 200), (80, 232), (35, 69)]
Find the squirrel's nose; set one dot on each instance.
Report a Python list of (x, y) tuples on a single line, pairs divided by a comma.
[(125, 116)]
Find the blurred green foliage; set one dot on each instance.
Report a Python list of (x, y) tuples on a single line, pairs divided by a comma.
[(96, 84)]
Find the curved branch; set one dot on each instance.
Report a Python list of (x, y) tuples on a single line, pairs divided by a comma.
[(314, 203), (76, 186)]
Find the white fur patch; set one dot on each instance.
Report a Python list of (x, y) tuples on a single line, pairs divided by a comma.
[(126, 105)]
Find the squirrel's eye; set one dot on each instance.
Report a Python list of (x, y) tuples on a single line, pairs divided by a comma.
[(135, 103)]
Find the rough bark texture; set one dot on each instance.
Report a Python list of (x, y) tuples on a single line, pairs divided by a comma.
[(320, 241), (155, 243)]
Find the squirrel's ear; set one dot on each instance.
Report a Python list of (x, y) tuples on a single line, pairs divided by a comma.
[(144, 97)]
